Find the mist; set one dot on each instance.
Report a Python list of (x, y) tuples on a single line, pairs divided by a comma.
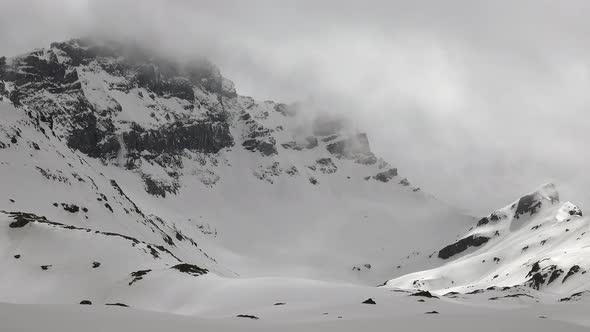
[(475, 102)]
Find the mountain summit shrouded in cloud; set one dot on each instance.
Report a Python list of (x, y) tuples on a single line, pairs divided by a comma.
[(466, 89)]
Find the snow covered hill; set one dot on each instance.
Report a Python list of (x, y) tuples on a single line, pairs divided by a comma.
[(117, 164), (537, 241)]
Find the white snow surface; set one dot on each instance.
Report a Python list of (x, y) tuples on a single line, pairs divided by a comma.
[(338, 310)]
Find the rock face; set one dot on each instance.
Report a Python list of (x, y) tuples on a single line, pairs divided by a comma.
[(541, 276), (195, 136), (65, 70), (93, 136), (40, 71), (492, 218), (190, 269), (125, 106), (529, 204), (462, 245), (119, 104), (257, 137)]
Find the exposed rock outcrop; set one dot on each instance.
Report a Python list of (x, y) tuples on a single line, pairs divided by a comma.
[(462, 245)]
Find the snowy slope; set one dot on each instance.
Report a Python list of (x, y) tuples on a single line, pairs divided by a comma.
[(112, 155), (537, 241)]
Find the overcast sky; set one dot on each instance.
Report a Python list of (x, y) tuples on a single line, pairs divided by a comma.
[(475, 101)]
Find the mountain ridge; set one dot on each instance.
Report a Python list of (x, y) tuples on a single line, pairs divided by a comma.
[(536, 241)]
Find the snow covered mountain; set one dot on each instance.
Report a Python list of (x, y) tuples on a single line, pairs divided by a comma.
[(537, 242), (127, 179), (117, 165)]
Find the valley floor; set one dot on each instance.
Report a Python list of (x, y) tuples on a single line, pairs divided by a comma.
[(304, 305)]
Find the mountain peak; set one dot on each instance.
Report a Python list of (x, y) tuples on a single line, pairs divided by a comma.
[(530, 242), (529, 204)]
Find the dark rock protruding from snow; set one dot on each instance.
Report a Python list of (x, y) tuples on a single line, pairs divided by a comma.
[(138, 275), (495, 298), (20, 220), (369, 301), (462, 245), (424, 294), (576, 212), (538, 275), (196, 136), (573, 270), (326, 165), (72, 208), (257, 137), (385, 176), (494, 217), (118, 304), (575, 296), (529, 204), (190, 269)]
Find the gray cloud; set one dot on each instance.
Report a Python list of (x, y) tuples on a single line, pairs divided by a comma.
[(477, 101)]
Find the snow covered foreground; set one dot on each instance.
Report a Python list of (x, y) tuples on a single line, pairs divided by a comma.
[(308, 306)]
